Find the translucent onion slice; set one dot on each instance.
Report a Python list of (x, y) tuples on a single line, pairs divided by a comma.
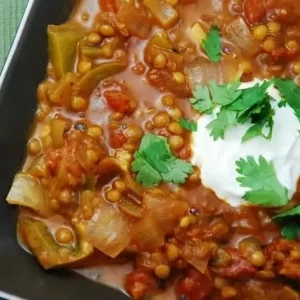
[(137, 23), (210, 8), (240, 36), (198, 253), (165, 209), (202, 71), (163, 12), (108, 230), (147, 234), (26, 191)]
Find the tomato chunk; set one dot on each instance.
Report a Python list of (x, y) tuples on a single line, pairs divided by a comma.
[(254, 10), (138, 283), (239, 266), (109, 5), (117, 139), (120, 101), (195, 285)]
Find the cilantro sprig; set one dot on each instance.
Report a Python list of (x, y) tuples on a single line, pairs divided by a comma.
[(212, 44), (237, 106), (154, 163), (290, 92), (260, 177), (289, 221), (189, 125)]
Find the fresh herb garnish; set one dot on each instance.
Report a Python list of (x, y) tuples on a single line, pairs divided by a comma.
[(212, 44), (260, 177), (251, 97), (290, 92), (188, 124), (263, 121), (154, 162), (237, 106), (225, 118), (208, 97), (202, 100), (289, 221), (224, 94)]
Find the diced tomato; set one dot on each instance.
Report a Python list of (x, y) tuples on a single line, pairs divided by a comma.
[(138, 283), (239, 267), (119, 101), (195, 285), (283, 10), (117, 139), (254, 10), (218, 231), (290, 269), (54, 159), (282, 54), (109, 5)]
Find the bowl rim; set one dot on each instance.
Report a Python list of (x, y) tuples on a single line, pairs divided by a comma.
[(9, 58), (12, 51)]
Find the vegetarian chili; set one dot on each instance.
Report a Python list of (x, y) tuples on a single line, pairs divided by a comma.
[(109, 182)]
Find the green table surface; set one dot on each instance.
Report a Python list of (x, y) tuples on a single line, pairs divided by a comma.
[(11, 12)]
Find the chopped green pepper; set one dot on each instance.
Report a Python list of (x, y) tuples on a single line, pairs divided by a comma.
[(44, 247), (63, 40), (90, 81)]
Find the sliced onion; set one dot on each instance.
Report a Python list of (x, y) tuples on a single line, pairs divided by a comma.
[(165, 209), (133, 185), (163, 12), (38, 168), (202, 71), (147, 234), (57, 132), (130, 207), (136, 22), (197, 253), (26, 191), (209, 8), (108, 230), (239, 35), (123, 160)]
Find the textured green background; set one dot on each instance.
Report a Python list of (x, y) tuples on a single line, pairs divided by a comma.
[(11, 12)]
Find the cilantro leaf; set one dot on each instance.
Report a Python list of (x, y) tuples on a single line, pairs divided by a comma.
[(154, 162), (290, 231), (224, 94), (237, 106), (295, 211), (251, 96), (201, 101), (289, 221), (290, 92), (178, 171), (263, 121), (147, 175), (212, 44), (224, 119), (188, 124), (253, 131), (261, 178)]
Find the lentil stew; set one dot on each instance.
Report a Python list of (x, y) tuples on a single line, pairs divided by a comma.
[(121, 72)]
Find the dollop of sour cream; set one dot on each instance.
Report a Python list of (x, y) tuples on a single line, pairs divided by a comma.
[(217, 159)]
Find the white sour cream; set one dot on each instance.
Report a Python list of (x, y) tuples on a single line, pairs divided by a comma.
[(217, 159)]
